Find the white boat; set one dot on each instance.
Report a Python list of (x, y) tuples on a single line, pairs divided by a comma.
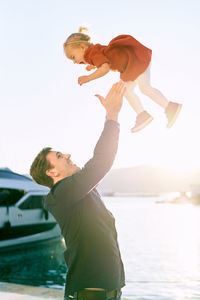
[(23, 220)]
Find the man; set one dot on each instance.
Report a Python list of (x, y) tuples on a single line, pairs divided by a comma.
[(95, 269)]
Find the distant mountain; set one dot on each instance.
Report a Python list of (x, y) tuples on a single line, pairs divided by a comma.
[(147, 179)]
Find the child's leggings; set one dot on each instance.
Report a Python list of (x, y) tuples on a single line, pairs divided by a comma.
[(144, 83)]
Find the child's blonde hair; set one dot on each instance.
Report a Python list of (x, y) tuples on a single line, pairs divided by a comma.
[(76, 38)]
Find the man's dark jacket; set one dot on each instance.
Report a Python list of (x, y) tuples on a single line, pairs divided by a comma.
[(92, 256)]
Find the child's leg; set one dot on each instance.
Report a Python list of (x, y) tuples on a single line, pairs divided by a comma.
[(143, 118), (132, 98), (172, 109), (144, 84)]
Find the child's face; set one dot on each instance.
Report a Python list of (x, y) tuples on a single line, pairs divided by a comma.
[(76, 54)]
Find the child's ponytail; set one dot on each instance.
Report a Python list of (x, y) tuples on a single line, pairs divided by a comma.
[(83, 29)]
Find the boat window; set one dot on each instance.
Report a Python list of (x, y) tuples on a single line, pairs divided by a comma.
[(9, 197), (33, 202)]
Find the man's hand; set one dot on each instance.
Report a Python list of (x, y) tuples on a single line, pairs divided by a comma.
[(90, 67), (83, 79), (113, 101)]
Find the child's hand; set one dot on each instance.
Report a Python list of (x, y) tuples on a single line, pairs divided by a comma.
[(83, 79), (90, 67)]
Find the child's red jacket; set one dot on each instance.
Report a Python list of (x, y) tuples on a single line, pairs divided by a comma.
[(124, 54)]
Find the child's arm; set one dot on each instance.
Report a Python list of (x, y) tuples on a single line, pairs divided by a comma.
[(90, 67), (101, 71)]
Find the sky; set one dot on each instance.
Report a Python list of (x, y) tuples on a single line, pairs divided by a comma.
[(42, 104)]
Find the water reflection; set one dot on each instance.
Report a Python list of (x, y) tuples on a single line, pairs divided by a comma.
[(186, 240), (42, 264), (160, 245)]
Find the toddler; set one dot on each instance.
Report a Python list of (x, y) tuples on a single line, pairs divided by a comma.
[(132, 60)]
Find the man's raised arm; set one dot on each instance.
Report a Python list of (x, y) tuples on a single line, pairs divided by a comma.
[(82, 182)]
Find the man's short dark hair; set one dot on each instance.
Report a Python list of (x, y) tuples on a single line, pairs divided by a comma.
[(39, 167)]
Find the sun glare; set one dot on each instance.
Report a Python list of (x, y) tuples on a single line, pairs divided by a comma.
[(187, 244), (172, 148)]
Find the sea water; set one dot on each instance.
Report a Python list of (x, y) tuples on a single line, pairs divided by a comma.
[(160, 249), (160, 246)]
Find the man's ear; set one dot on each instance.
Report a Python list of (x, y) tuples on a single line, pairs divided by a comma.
[(51, 173)]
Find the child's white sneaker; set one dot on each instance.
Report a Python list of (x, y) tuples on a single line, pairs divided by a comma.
[(142, 120), (172, 111)]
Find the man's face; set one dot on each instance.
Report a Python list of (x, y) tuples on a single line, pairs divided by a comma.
[(62, 165)]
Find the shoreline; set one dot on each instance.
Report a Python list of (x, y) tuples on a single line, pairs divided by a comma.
[(12, 291)]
